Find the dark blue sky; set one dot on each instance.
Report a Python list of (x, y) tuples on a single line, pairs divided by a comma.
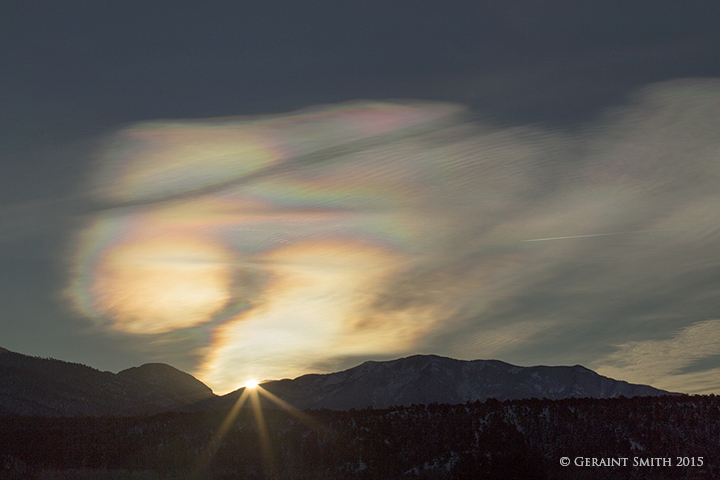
[(89, 62), (73, 71), (77, 69)]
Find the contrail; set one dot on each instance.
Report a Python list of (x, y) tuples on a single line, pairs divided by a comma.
[(582, 236)]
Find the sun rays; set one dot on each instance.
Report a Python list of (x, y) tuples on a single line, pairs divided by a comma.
[(252, 392)]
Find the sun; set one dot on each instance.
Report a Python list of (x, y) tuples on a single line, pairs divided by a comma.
[(253, 392)]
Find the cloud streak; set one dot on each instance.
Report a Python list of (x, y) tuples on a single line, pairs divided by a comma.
[(674, 364), (577, 236)]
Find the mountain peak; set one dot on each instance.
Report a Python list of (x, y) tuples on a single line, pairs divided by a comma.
[(47, 387), (165, 377)]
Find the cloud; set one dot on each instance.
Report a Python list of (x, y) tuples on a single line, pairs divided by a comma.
[(376, 230), (687, 362)]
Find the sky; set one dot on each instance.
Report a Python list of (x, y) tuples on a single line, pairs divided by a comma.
[(267, 190)]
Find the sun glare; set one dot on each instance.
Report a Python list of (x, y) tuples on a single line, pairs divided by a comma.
[(253, 391)]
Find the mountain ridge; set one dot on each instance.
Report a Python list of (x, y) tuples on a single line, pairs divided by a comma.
[(419, 379), (50, 387)]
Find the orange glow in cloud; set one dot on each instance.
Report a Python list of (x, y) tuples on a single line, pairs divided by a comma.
[(311, 313), (158, 284)]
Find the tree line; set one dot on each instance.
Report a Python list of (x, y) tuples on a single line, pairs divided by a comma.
[(523, 439)]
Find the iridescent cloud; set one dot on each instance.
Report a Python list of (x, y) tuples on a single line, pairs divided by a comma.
[(268, 233), (287, 244)]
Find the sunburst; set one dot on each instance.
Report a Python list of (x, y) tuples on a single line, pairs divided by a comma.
[(252, 390)]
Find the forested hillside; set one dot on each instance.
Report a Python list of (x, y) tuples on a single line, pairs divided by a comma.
[(55, 388), (522, 439)]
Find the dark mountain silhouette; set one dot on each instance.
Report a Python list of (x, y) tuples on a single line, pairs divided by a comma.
[(47, 387), (424, 379)]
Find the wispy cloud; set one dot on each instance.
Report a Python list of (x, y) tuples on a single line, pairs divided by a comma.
[(387, 229), (675, 364)]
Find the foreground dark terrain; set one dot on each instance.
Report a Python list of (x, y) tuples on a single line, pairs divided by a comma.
[(521, 439)]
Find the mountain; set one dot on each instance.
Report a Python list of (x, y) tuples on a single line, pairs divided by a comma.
[(424, 379), (47, 387)]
